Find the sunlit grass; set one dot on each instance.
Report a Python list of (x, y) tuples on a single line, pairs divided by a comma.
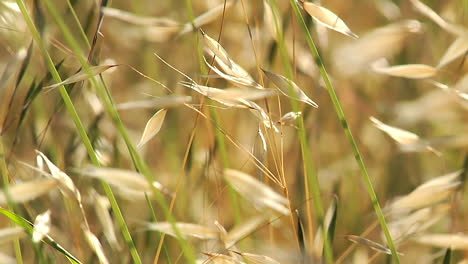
[(234, 131)]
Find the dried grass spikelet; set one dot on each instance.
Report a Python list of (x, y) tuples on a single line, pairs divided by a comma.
[(328, 19), (289, 118), (451, 142), (329, 216), (96, 246), (186, 230), (137, 19), (126, 179), (27, 191), (257, 192), (232, 71), (41, 226), (370, 244), (83, 75), (66, 184), (212, 93), (217, 258), (431, 14), (223, 235), (235, 74), (159, 102), (244, 229), (260, 114), (411, 71), (236, 94), (217, 49), (399, 135), (257, 259), (429, 193), (152, 127), (154, 29), (101, 207), (355, 57), (11, 233), (260, 150), (403, 226), (289, 88), (453, 241), (230, 97), (402, 137), (206, 18), (455, 50)]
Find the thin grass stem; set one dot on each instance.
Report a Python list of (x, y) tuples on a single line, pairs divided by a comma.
[(344, 123)]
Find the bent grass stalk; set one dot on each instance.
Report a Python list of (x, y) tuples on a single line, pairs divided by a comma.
[(344, 123)]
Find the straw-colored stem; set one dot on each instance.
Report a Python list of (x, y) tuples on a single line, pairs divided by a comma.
[(310, 175)]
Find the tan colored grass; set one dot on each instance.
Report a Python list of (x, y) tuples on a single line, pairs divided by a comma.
[(83, 75), (453, 241), (121, 178), (264, 196), (429, 193), (411, 71), (101, 207), (243, 230), (66, 184), (257, 259), (369, 243), (96, 246), (289, 88), (455, 50), (152, 127), (27, 191), (186, 230), (328, 19)]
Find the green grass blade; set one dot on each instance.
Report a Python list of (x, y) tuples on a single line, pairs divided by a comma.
[(29, 228), (344, 123), (81, 130), (106, 98), (447, 257), (309, 168)]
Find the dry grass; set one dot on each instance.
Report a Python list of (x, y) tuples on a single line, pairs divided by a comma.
[(217, 129)]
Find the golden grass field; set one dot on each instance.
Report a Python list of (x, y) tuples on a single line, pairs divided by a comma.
[(216, 131)]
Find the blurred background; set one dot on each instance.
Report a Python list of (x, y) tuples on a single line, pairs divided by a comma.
[(201, 137)]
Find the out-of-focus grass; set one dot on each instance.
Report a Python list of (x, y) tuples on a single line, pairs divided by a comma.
[(308, 160)]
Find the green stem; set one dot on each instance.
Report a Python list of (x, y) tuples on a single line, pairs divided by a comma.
[(309, 169), (105, 96), (79, 125), (11, 207), (344, 123)]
